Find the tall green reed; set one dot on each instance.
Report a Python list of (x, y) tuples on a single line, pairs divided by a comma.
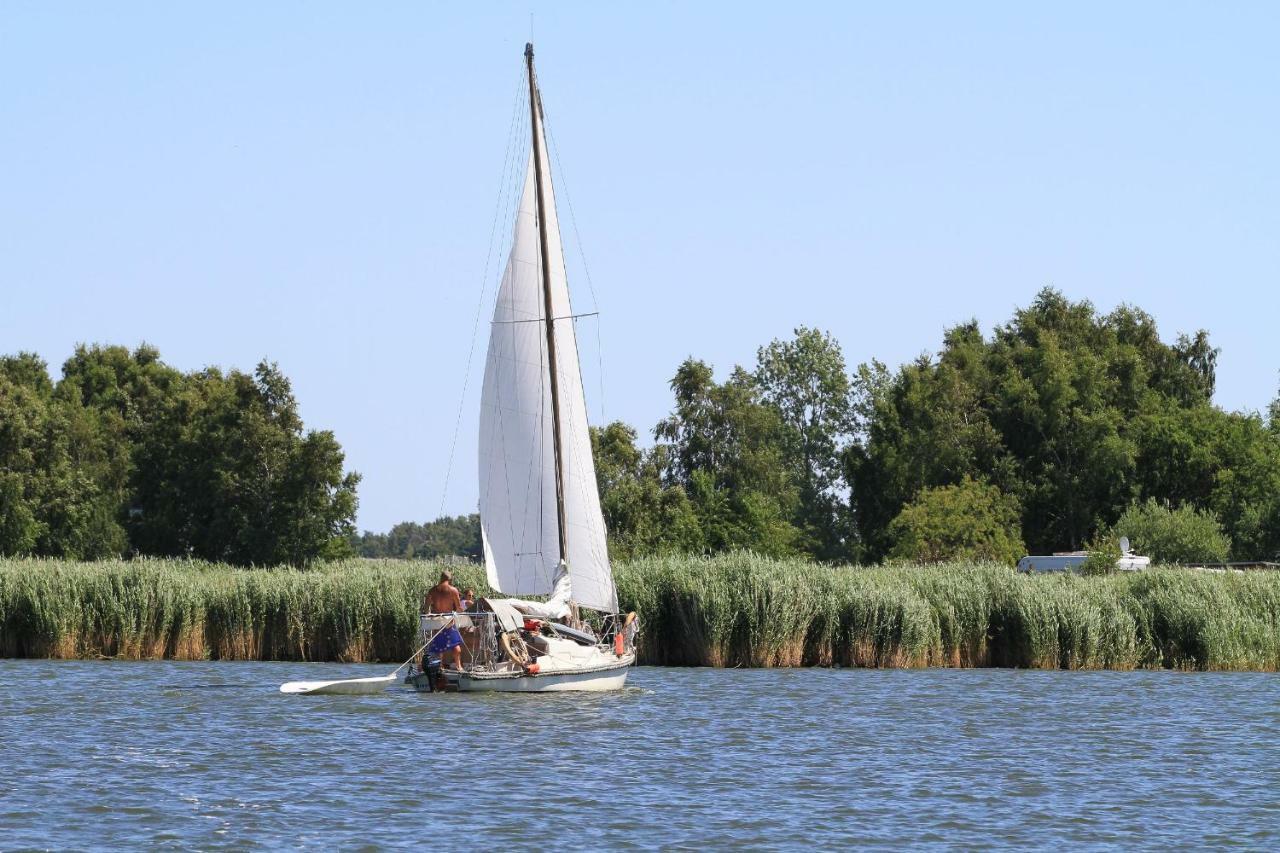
[(733, 610)]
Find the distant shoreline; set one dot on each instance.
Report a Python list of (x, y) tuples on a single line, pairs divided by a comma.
[(733, 610)]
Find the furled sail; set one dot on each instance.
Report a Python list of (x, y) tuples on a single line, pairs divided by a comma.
[(518, 517)]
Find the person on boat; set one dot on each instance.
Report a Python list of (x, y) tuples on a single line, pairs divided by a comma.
[(468, 600), (444, 598)]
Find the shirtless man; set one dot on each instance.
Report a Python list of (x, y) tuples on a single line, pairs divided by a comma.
[(444, 598)]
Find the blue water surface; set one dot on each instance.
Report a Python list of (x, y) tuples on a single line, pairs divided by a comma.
[(118, 754)]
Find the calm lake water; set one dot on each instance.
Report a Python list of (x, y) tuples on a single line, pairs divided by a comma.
[(207, 755)]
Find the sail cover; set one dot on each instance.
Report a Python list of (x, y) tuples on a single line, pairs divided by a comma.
[(518, 520)]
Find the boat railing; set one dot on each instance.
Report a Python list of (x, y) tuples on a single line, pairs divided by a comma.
[(479, 647), (483, 645)]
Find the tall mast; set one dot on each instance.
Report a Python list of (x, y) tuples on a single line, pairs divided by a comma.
[(535, 127)]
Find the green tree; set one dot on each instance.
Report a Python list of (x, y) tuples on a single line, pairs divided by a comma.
[(61, 473), (1074, 413), (19, 527), (27, 370), (313, 510), (1273, 414), (806, 381), (968, 521), (134, 386), (642, 515), (226, 473), (1168, 534), (929, 425), (1061, 411), (447, 536), (85, 476), (125, 452), (1103, 552), (726, 449), (25, 392)]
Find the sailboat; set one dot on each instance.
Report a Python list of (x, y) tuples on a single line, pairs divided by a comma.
[(541, 525)]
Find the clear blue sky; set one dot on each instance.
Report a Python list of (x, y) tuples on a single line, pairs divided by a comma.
[(315, 184)]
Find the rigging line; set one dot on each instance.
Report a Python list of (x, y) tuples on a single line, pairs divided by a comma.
[(586, 268), (541, 320), (555, 150), (484, 289)]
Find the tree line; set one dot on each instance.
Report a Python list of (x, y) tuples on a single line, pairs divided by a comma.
[(1061, 430), (125, 454), (447, 536)]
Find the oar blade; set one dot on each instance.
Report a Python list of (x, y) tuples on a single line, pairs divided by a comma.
[(344, 687)]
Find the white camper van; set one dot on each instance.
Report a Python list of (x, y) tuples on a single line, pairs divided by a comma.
[(1070, 561)]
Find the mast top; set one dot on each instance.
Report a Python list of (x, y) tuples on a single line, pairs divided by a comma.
[(528, 50)]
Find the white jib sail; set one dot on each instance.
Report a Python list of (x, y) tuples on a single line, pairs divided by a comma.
[(518, 518)]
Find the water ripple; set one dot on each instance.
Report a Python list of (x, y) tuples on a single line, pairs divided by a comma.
[(209, 755)]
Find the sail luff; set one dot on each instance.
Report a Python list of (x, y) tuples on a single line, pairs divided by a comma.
[(535, 128)]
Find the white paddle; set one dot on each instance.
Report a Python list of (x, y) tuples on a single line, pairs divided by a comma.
[(355, 686), (348, 686)]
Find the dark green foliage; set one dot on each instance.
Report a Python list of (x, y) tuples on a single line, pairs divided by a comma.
[(1223, 462), (448, 536), (19, 527), (805, 380), (225, 473), (967, 521), (134, 386), (63, 468), (1070, 415), (27, 370), (1103, 553), (1174, 535), (1074, 413), (125, 453), (727, 449), (1273, 415), (642, 515)]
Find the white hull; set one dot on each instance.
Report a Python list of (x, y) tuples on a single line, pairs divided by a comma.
[(597, 681), (543, 663)]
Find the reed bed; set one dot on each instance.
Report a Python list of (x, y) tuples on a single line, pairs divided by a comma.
[(734, 610), (360, 610)]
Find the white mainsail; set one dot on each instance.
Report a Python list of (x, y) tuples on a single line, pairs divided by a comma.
[(518, 517)]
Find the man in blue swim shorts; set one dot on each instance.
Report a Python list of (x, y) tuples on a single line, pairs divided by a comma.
[(444, 598)]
